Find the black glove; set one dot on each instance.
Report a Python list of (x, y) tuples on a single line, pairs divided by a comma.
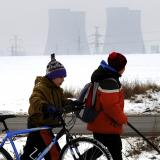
[(77, 103), (73, 106), (50, 110)]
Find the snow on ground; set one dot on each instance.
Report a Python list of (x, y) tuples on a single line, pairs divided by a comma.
[(128, 145), (144, 104), (18, 75)]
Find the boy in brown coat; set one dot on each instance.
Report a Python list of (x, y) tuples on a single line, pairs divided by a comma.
[(46, 101)]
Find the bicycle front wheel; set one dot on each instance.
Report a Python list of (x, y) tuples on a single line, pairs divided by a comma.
[(4, 155), (84, 149)]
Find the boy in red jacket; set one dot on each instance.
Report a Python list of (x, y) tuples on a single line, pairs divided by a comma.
[(107, 127)]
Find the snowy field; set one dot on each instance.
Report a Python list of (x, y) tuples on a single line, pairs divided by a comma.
[(18, 75)]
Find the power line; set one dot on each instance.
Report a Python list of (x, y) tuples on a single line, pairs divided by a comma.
[(16, 45), (97, 43)]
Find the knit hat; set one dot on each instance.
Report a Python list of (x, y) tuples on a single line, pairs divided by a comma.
[(55, 69), (117, 61)]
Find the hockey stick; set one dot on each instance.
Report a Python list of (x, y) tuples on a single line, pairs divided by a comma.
[(130, 125)]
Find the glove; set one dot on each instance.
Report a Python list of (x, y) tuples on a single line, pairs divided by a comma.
[(77, 103), (50, 110), (73, 106)]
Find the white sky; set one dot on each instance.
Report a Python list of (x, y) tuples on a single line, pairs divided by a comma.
[(28, 19)]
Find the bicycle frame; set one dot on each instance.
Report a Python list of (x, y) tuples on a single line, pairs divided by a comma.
[(10, 134)]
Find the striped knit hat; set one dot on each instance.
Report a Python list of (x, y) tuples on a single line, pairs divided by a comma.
[(55, 69)]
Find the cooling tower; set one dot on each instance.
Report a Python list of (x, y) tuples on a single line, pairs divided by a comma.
[(66, 32), (123, 31)]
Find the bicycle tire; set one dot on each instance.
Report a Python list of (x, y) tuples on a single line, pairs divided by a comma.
[(84, 148), (4, 155)]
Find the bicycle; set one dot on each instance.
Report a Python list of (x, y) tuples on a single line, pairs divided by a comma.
[(76, 148)]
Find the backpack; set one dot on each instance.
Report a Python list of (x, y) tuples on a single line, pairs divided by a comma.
[(88, 97)]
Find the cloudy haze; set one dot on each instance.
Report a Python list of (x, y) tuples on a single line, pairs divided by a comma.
[(28, 19)]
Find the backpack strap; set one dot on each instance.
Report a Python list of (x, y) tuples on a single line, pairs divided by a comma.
[(84, 91), (89, 85), (95, 87)]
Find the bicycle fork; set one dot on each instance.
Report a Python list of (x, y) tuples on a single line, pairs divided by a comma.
[(73, 148)]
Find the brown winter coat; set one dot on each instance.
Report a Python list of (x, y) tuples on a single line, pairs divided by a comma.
[(45, 93)]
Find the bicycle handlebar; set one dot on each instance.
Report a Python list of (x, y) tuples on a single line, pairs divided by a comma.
[(59, 114), (72, 117)]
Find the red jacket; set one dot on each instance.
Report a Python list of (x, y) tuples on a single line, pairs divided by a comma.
[(110, 102)]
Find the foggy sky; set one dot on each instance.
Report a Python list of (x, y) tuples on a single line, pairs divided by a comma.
[(28, 19)]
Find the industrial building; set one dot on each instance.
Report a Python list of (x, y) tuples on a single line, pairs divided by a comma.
[(66, 32), (123, 31)]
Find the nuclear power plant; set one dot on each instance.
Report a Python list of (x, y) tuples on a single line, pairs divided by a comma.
[(66, 32), (123, 31)]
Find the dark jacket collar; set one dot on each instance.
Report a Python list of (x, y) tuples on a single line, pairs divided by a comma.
[(104, 71)]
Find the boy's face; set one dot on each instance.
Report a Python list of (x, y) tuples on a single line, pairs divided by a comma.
[(58, 81)]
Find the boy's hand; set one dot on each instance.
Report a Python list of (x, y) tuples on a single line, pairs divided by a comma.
[(51, 110), (77, 103)]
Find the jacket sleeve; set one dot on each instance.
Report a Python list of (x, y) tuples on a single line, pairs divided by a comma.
[(38, 99), (112, 100)]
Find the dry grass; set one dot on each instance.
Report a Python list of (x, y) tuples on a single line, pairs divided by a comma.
[(135, 88), (140, 145), (130, 89), (69, 93)]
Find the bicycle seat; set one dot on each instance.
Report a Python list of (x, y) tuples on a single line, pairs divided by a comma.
[(3, 117)]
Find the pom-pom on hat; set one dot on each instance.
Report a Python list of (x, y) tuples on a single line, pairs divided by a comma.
[(55, 69), (117, 61)]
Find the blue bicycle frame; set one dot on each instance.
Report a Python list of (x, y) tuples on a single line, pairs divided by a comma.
[(10, 134)]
